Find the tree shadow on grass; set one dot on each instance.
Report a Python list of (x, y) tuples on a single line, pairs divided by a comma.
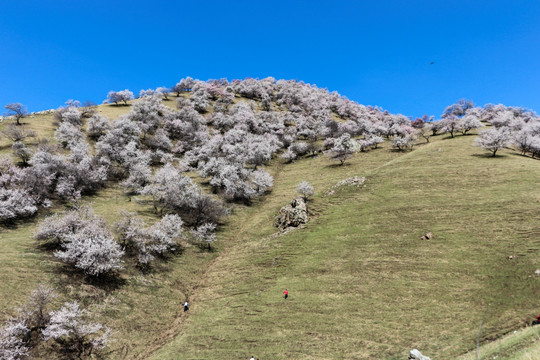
[(5, 147), (489, 156), (15, 223), (401, 150), (338, 165), (523, 155), (448, 137), (71, 277)]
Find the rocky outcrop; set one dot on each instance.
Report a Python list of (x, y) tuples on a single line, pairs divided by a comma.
[(292, 215), (417, 355), (352, 181)]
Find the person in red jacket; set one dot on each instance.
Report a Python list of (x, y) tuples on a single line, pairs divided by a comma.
[(286, 294), (537, 321)]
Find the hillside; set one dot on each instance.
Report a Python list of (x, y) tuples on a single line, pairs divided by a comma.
[(362, 283)]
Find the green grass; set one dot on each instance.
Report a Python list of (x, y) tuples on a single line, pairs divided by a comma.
[(363, 284), (522, 344)]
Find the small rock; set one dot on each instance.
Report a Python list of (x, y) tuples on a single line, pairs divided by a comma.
[(537, 272), (417, 355), (427, 236)]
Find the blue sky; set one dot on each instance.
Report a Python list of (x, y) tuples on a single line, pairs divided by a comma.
[(373, 52)]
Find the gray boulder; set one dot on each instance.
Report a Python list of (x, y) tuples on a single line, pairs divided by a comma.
[(292, 215), (417, 355)]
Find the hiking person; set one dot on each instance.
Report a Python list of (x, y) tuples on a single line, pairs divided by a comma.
[(537, 321), (286, 294), (186, 306)]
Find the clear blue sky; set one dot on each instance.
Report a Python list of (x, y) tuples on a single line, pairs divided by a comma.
[(374, 52)]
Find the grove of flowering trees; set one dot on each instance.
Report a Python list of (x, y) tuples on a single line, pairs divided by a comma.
[(68, 331), (509, 126), (227, 142)]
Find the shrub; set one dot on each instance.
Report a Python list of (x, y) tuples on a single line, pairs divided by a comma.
[(97, 126)]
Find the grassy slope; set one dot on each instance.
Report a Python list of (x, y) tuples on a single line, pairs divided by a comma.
[(363, 285), (521, 344), (361, 281), (23, 266), (128, 307)]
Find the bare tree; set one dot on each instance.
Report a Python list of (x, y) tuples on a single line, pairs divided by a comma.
[(17, 133)]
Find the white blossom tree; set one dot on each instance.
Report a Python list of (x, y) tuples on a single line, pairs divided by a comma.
[(22, 152), (305, 189), (91, 249), (17, 110), (34, 313), (164, 91), (404, 142), (184, 85), (262, 181), (120, 96), (12, 344), (82, 240), (469, 122), (171, 190), (343, 148), (147, 242), (16, 203), (97, 126), (205, 234), (451, 124), (68, 134), (493, 139), (458, 109), (72, 115), (74, 334)]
